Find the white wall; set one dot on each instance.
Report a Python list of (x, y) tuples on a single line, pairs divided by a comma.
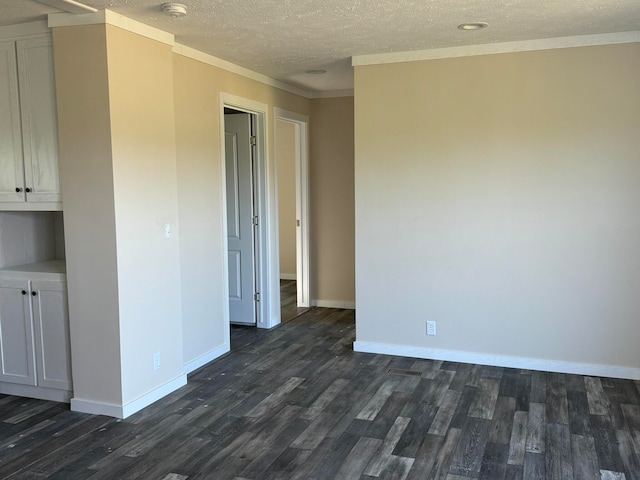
[(499, 196)]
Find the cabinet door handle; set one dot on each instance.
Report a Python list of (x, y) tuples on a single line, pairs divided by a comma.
[(18, 189), (24, 292), (34, 293), (28, 190)]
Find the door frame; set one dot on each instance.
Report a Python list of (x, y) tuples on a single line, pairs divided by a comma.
[(267, 274), (301, 124)]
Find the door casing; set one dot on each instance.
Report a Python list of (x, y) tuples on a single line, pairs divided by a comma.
[(267, 268), (301, 124)]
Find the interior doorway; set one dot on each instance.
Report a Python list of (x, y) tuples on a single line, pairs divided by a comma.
[(265, 294), (266, 272), (292, 128)]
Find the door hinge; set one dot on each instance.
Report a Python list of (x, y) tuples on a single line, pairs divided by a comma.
[(252, 140), (254, 220), (256, 297)]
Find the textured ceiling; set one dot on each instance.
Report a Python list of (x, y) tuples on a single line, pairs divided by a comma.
[(283, 38)]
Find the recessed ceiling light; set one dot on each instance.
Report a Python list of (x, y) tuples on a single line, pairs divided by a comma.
[(318, 71), (174, 9), (473, 26)]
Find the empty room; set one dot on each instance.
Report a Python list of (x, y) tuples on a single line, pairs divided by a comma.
[(201, 273)]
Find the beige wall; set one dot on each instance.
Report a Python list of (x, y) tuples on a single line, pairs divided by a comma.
[(332, 201), (285, 144), (118, 175), (86, 178), (197, 88), (140, 148), (133, 157), (499, 196), (145, 199)]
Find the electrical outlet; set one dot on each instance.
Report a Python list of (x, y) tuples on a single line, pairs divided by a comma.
[(156, 361), (431, 327)]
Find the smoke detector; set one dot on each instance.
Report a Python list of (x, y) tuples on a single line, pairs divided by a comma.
[(174, 9)]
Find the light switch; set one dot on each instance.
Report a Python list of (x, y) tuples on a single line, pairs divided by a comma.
[(167, 230)]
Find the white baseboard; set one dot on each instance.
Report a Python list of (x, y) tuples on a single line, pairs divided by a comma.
[(124, 411), (202, 360), (333, 304), (31, 391), (589, 369), (273, 321), (288, 276), (96, 408)]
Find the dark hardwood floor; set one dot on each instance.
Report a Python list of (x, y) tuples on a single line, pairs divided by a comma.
[(289, 301), (242, 335), (298, 403)]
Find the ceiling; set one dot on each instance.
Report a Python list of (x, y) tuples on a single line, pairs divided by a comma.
[(284, 38)]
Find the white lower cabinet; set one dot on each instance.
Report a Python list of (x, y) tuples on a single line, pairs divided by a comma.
[(51, 328), (17, 352), (35, 355)]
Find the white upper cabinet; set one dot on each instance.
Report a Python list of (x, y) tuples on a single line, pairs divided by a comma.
[(29, 177), (39, 120), (11, 163)]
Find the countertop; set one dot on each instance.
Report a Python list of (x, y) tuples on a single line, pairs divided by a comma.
[(49, 270)]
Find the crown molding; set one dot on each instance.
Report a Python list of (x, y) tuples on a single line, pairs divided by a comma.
[(194, 54), (111, 18), (332, 93), (495, 48), (24, 29)]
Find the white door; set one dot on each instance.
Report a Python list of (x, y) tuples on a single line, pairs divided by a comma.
[(16, 333), (240, 218)]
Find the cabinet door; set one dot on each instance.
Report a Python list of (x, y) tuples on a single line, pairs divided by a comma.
[(11, 165), (51, 324), (16, 333), (39, 119)]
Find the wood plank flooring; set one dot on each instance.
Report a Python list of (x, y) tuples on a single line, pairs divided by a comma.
[(243, 335), (297, 403), (289, 301)]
